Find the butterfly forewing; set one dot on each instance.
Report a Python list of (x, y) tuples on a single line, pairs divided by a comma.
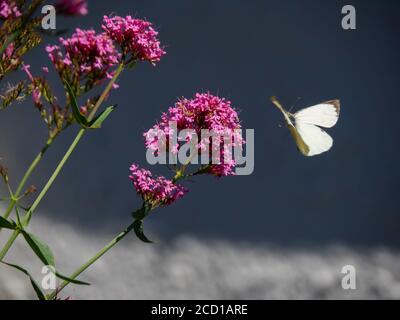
[(325, 114)]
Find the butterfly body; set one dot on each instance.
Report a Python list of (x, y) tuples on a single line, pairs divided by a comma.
[(305, 124)]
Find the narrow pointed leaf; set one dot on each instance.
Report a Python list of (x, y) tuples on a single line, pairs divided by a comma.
[(4, 223), (98, 121), (59, 275), (35, 286), (45, 254), (138, 228), (41, 249), (140, 214), (79, 117)]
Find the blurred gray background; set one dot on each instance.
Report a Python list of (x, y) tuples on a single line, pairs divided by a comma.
[(301, 207)]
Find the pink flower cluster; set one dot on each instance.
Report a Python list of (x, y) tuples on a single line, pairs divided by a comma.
[(135, 36), (89, 55), (204, 111), (85, 53), (9, 9), (159, 190), (72, 7)]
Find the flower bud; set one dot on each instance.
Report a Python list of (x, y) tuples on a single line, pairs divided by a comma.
[(4, 173), (30, 190)]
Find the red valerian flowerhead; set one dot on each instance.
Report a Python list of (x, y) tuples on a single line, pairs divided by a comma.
[(85, 55), (135, 36), (72, 7), (155, 190), (203, 112)]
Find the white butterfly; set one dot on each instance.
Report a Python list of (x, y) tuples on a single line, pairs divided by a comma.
[(310, 139)]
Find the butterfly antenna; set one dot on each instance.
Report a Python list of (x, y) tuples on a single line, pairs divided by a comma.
[(297, 100)]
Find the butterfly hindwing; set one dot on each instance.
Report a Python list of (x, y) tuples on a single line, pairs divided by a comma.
[(316, 139), (301, 145)]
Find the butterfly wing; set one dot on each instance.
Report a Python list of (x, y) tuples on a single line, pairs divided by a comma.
[(315, 139), (325, 114), (310, 139), (301, 144)]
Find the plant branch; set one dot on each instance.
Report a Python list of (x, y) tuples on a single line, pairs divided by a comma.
[(82, 131), (26, 176), (106, 248), (92, 260)]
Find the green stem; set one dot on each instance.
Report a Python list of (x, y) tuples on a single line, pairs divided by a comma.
[(27, 217), (53, 177), (92, 260), (8, 245), (26, 176), (106, 91), (99, 254)]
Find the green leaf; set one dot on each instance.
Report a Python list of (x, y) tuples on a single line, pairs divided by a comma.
[(45, 254), (98, 121), (138, 228), (141, 213), (138, 217), (59, 275), (41, 249), (4, 223), (35, 286), (79, 117)]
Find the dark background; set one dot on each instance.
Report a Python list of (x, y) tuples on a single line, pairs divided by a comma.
[(245, 51)]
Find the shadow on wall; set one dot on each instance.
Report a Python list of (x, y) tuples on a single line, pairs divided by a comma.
[(192, 269)]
